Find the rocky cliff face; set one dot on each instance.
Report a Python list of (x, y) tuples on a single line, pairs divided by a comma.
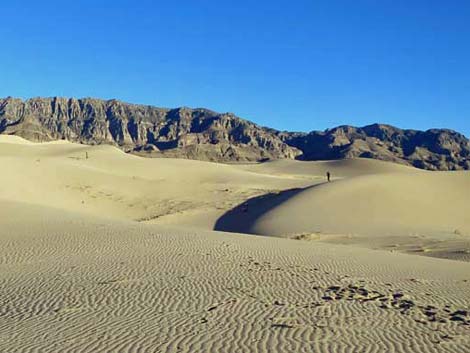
[(207, 135), (182, 132), (436, 149)]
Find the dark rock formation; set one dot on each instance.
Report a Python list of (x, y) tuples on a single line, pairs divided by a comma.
[(436, 149), (204, 134), (182, 132)]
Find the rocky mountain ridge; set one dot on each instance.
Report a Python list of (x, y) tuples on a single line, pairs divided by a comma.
[(207, 135)]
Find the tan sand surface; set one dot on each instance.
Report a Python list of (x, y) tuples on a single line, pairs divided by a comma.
[(74, 283), (114, 184), (339, 168), (82, 269), (379, 205), (390, 204)]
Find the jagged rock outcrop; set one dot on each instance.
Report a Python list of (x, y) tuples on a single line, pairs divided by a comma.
[(435, 149), (182, 132), (204, 134)]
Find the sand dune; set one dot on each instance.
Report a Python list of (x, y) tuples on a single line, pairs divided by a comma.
[(117, 185), (339, 168), (404, 209), (382, 205), (83, 269), (76, 283)]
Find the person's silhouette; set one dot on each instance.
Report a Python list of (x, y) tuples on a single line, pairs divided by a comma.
[(328, 176)]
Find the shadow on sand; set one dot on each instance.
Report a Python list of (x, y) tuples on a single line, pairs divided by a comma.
[(243, 217)]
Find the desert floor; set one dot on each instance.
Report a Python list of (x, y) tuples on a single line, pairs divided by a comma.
[(118, 253)]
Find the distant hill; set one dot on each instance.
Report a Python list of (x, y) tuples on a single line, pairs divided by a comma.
[(435, 149), (206, 135)]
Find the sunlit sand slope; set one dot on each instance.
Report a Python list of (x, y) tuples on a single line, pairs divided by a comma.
[(77, 283), (379, 205), (104, 181), (344, 168)]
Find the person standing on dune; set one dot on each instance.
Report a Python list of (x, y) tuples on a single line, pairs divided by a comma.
[(328, 176)]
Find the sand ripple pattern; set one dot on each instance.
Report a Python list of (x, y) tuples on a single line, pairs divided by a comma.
[(70, 285)]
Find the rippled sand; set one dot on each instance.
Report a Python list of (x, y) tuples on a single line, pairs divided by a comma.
[(83, 269)]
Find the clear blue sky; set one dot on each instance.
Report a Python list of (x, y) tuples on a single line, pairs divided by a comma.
[(296, 65)]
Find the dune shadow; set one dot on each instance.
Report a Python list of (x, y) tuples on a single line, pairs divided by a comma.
[(242, 218)]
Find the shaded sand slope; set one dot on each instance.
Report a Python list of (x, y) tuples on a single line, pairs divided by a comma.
[(387, 206), (368, 197), (390, 204), (77, 283), (113, 184)]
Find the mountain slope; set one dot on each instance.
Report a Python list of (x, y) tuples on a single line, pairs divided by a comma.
[(435, 149), (207, 135), (183, 132)]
